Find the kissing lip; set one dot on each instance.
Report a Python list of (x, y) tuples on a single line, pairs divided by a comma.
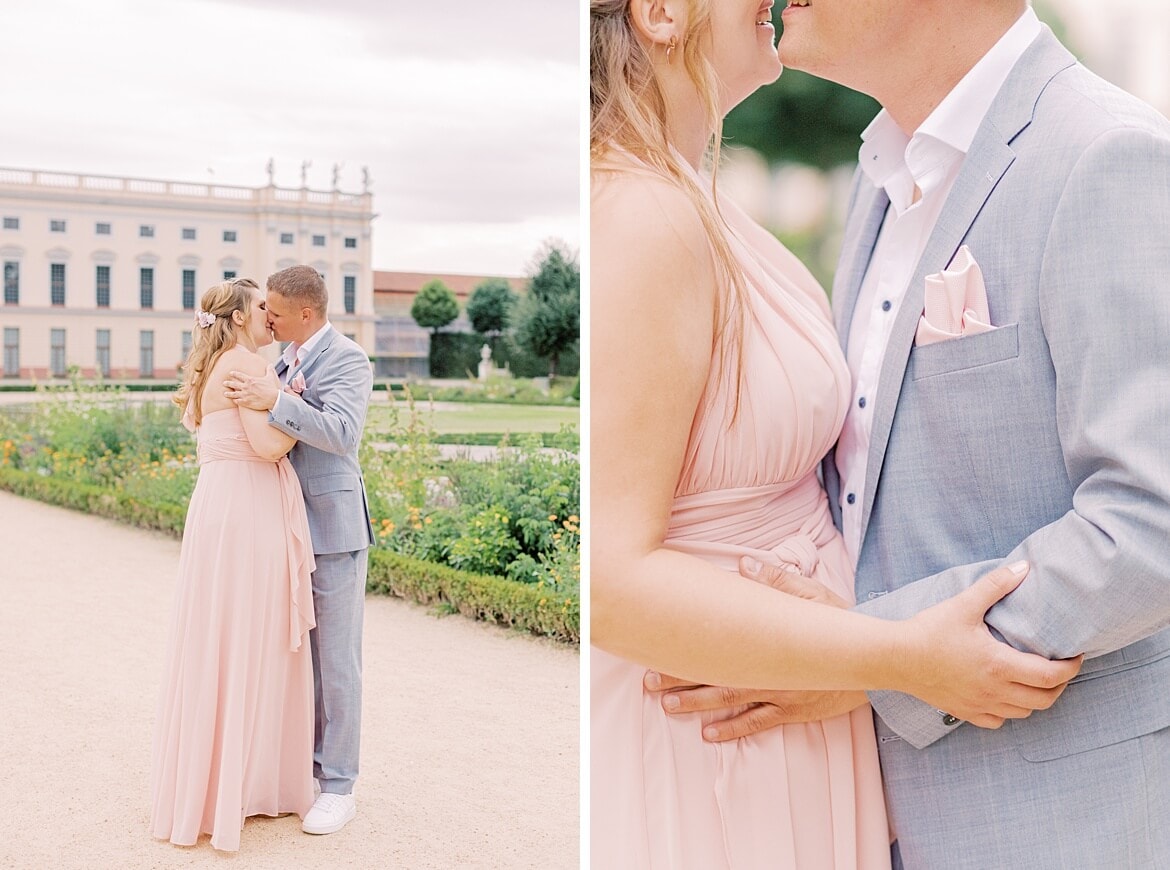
[(764, 13)]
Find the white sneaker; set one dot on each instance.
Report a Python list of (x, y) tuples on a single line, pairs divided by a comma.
[(330, 813)]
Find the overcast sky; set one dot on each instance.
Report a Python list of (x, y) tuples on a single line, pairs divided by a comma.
[(467, 116)]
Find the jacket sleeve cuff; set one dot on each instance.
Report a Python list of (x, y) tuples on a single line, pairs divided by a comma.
[(914, 721)]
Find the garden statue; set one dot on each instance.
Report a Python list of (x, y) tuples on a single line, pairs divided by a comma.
[(486, 368)]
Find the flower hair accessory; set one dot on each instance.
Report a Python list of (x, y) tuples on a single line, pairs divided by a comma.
[(204, 318)]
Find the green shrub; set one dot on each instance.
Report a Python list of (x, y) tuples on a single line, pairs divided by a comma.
[(456, 355), (492, 599), (515, 517)]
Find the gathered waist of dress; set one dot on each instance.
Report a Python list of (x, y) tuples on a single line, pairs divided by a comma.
[(231, 447), (783, 523)]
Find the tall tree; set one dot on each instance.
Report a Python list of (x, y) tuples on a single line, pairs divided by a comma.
[(550, 315), (435, 306), (490, 306)]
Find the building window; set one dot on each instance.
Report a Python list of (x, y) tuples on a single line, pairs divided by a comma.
[(103, 352), (188, 234), (186, 344), (229, 274), (350, 242), (229, 235), (146, 353), (57, 353), (350, 282), (146, 287), (57, 283), (318, 241), (188, 289), (103, 286), (56, 226), (286, 238), (11, 283), (11, 223), (146, 231), (102, 229), (11, 352)]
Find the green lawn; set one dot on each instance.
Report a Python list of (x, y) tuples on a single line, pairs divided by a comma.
[(460, 417)]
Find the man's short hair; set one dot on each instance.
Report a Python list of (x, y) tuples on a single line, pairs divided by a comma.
[(301, 285)]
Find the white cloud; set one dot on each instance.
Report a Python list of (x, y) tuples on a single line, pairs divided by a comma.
[(468, 122)]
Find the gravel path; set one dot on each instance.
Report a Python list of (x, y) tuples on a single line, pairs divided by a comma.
[(469, 744)]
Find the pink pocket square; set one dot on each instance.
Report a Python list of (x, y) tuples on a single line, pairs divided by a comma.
[(956, 302), (297, 384)]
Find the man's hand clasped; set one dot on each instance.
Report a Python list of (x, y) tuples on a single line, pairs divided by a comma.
[(257, 393)]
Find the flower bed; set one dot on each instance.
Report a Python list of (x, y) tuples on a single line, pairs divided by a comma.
[(497, 540)]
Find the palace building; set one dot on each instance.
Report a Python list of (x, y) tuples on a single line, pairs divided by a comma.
[(105, 273)]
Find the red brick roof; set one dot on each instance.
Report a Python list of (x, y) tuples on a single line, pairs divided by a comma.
[(395, 283)]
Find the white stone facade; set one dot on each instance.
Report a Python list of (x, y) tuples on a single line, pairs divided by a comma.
[(104, 273)]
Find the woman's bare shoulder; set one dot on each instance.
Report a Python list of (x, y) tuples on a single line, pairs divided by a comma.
[(648, 225), (239, 358)]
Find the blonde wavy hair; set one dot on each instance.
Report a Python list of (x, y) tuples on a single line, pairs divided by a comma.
[(209, 343), (627, 112)]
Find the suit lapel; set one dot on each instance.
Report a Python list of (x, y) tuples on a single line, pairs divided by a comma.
[(319, 349), (986, 162), (869, 210)]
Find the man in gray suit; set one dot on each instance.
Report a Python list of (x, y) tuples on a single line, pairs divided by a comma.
[(319, 394), (1043, 438)]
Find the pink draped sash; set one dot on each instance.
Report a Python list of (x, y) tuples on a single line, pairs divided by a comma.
[(233, 445)]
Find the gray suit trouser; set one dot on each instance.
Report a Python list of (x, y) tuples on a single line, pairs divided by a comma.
[(339, 594)]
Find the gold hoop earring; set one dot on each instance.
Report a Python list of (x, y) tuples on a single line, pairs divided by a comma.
[(670, 47)]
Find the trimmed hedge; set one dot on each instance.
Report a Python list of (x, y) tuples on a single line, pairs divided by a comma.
[(534, 609), (96, 501), (492, 599), (493, 439), (456, 355)]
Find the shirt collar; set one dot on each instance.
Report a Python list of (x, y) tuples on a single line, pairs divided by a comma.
[(957, 118), (887, 156), (292, 349)]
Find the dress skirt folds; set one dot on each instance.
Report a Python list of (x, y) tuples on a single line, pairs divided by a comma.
[(234, 731)]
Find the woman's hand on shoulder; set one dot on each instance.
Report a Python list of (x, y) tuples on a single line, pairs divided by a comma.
[(249, 380)]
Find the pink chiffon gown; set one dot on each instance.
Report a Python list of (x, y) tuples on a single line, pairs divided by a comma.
[(234, 731), (805, 796)]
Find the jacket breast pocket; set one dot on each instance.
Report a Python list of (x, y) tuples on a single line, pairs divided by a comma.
[(968, 352), (324, 483)]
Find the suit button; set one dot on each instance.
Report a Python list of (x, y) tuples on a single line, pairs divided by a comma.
[(886, 305), (851, 498), (949, 720), (861, 402)]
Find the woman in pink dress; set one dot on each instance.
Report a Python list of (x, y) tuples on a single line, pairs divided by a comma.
[(234, 732), (717, 386)]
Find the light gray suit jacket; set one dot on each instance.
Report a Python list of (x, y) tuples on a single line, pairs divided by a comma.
[(328, 428), (1047, 439)]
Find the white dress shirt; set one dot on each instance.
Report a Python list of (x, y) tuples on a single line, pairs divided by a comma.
[(292, 351), (917, 173)]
